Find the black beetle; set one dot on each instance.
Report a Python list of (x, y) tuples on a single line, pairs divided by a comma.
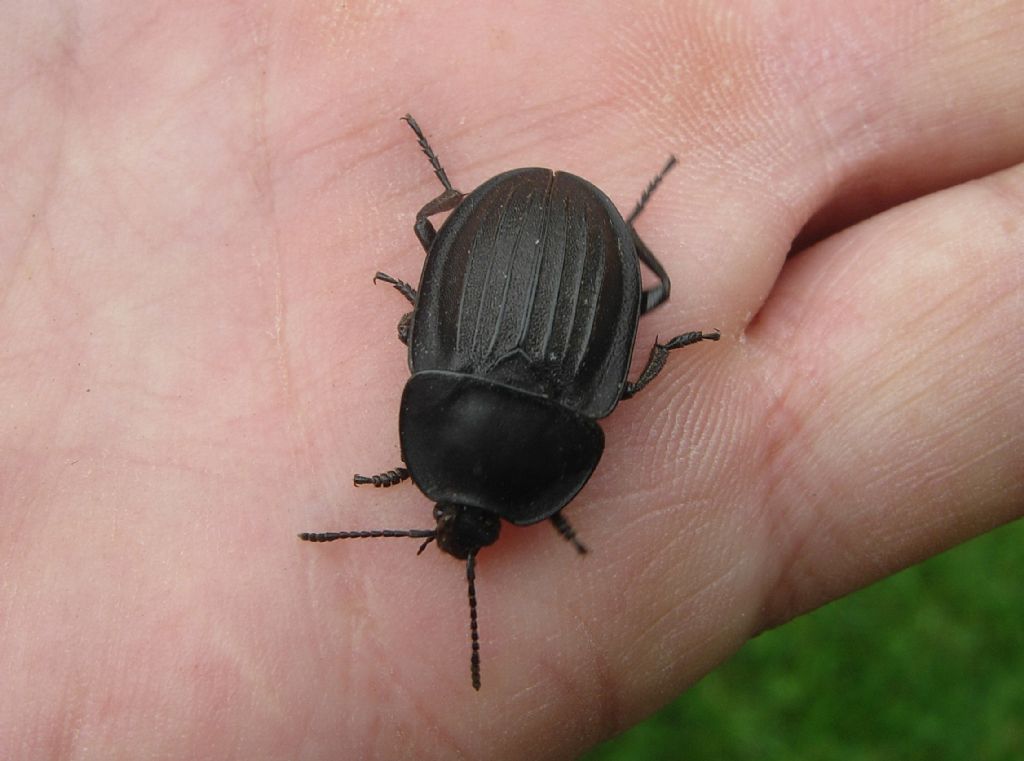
[(520, 339)]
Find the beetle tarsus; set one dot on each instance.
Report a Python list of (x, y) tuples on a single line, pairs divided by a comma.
[(659, 354), (448, 200), (568, 532), (691, 338), (655, 295), (425, 147), (651, 187), (382, 480), (405, 323), (400, 285)]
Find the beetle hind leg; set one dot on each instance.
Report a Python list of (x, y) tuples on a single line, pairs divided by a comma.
[(449, 198), (568, 532), (654, 295), (649, 190), (659, 354), (425, 231)]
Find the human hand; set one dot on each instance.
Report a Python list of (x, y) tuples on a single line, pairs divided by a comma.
[(194, 361)]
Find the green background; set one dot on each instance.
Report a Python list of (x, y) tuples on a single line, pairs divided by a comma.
[(928, 664)]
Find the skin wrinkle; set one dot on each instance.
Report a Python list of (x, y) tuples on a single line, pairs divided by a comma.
[(263, 181), (787, 529), (429, 710), (48, 180), (511, 139), (566, 685), (607, 711)]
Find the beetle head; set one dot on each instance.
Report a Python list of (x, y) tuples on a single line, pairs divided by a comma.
[(462, 530)]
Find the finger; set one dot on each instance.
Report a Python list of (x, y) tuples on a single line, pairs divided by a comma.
[(899, 346), (811, 121), (923, 98)]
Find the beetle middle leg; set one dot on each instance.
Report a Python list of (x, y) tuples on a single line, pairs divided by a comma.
[(659, 354), (568, 532), (448, 200), (410, 293)]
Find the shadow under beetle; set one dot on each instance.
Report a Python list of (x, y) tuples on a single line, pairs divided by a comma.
[(520, 339)]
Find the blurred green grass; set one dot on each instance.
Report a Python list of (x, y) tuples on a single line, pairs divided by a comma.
[(928, 664)]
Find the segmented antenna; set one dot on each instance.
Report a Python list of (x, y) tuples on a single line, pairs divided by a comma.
[(651, 186), (425, 146), (330, 536), (474, 633)]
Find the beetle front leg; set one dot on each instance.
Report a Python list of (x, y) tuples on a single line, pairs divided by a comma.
[(409, 292), (386, 479), (400, 285), (659, 353)]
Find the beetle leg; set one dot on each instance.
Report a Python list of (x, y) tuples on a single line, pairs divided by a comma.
[(568, 532), (448, 199), (659, 293), (400, 285), (656, 294), (388, 478), (425, 147), (651, 186), (659, 353), (404, 324), (425, 231)]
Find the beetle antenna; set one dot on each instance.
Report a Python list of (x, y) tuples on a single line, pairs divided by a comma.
[(651, 186), (330, 536), (425, 146), (474, 633), (423, 546)]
